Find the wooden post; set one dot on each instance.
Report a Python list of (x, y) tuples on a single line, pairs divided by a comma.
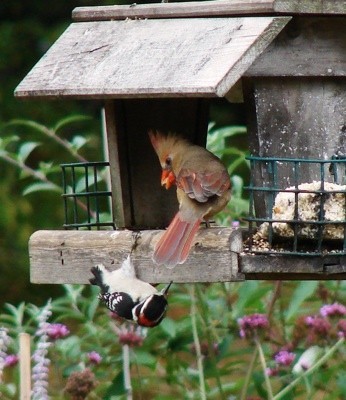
[(25, 366), (295, 97)]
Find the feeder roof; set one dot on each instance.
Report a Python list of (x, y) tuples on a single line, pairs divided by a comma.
[(159, 57)]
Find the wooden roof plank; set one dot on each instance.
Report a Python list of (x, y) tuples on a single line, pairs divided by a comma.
[(174, 10), (203, 57), (209, 9)]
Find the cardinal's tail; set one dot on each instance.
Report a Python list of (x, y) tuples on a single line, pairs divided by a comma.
[(175, 244)]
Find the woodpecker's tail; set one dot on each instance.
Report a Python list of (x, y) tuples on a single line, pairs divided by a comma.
[(98, 279), (174, 245)]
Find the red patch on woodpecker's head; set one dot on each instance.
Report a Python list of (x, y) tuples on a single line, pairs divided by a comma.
[(143, 321)]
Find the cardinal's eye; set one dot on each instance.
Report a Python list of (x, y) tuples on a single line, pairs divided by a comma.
[(168, 161)]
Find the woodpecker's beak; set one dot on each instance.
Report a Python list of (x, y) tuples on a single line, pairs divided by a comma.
[(167, 178), (164, 291)]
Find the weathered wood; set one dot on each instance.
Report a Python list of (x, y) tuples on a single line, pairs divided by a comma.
[(24, 366), (209, 9), (200, 57), (117, 156), (307, 46), (310, 6), (273, 267), (294, 118), (139, 201), (173, 10), (67, 256)]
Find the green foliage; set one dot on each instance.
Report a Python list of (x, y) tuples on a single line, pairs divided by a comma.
[(196, 352), (169, 352), (219, 142)]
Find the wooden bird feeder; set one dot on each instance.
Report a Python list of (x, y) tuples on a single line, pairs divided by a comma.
[(159, 66)]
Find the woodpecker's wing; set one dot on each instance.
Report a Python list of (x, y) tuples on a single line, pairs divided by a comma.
[(203, 185), (120, 303)]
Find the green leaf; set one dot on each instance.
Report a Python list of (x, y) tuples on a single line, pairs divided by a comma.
[(78, 142), (302, 292), (29, 124), (116, 388), (70, 120), (341, 383), (5, 141), (144, 358), (169, 327), (41, 186), (92, 307), (26, 149)]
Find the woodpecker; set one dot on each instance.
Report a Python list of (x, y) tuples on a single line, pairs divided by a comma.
[(129, 297)]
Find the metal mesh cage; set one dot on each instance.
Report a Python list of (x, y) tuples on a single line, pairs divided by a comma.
[(297, 206), (87, 200)]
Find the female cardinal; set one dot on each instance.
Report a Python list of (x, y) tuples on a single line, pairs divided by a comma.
[(203, 189)]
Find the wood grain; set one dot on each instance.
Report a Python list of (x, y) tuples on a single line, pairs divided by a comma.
[(209, 9), (276, 267), (308, 46), (173, 10), (202, 57), (67, 256), (294, 118)]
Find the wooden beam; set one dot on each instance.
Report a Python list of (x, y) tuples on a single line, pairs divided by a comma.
[(67, 256), (209, 9), (173, 10), (279, 267)]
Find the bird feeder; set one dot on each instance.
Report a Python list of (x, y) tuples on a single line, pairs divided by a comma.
[(158, 66)]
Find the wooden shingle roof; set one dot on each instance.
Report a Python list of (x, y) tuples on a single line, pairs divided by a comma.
[(129, 58)]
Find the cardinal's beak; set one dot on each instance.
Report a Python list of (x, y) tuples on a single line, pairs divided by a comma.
[(164, 291), (167, 178)]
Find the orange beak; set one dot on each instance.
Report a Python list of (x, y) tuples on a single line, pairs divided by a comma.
[(167, 178)]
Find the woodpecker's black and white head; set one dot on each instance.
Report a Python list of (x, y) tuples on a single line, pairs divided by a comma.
[(151, 311), (128, 297)]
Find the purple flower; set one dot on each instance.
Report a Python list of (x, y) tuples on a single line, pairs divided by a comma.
[(4, 342), (11, 360), (284, 358), (342, 328), (320, 326), (252, 324), (333, 310), (131, 335), (57, 331), (272, 371), (40, 370), (94, 357)]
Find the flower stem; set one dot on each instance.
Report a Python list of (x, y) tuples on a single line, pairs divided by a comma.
[(208, 329), (308, 372), (264, 367), (248, 374), (197, 343), (126, 370)]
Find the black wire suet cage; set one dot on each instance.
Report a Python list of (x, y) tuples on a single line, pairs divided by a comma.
[(297, 206), (86, 197)]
